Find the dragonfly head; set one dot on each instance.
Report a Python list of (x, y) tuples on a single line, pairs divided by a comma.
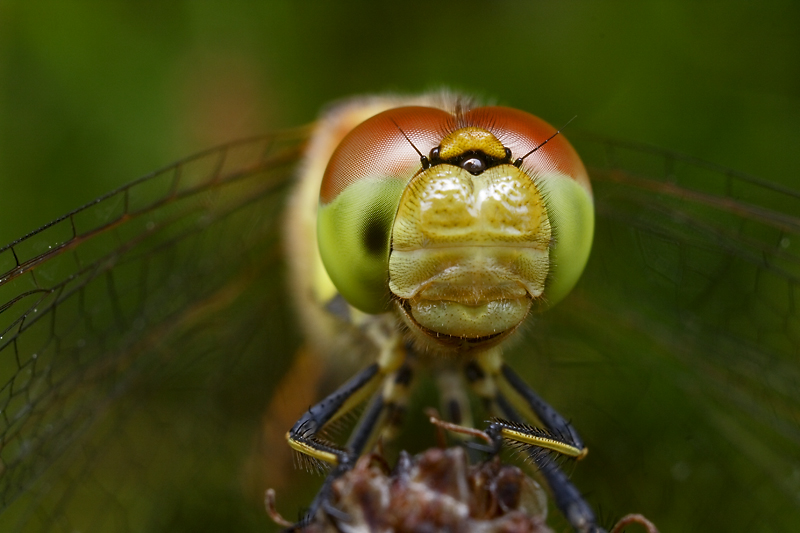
[(466, 240)]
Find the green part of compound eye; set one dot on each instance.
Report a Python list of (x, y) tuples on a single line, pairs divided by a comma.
[(571, 212), (354, 234)]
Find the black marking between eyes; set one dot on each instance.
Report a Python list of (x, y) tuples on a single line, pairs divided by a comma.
[(473, 161)]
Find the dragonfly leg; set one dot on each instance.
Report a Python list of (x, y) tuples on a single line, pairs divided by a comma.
[(381, 418), (384, 415), (303, 437), (507, 395)]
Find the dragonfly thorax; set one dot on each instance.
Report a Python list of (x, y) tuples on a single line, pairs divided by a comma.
[(464, 241)]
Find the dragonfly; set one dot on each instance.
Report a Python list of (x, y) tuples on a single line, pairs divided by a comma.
[(151, 364)]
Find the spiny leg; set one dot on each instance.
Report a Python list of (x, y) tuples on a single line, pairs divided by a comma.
[(495, 381), (380, 419), (506, 394), (567, 497), (303, 436), (364, 433)]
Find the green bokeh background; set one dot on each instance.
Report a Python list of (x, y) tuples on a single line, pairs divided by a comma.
[(93, 94)]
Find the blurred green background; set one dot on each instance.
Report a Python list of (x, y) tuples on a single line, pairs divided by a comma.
[(94, 94)]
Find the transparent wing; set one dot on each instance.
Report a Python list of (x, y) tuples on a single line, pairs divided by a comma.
[(140, 338), (678, 356)]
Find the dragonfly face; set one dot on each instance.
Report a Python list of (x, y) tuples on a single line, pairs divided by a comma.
[(461, 242), (144, 335)]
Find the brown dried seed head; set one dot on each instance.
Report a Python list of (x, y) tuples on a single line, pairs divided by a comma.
[(437, 490)]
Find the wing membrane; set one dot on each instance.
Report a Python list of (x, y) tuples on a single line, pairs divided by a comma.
[(111, 306)]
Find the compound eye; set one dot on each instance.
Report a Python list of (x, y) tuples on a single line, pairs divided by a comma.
[(474, 165)]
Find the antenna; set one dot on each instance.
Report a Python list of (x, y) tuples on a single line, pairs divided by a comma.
[(518, 162), (426, 164)]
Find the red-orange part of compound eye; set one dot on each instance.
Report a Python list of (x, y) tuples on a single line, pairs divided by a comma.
[(521, 132), (377, 147), (383, 146)]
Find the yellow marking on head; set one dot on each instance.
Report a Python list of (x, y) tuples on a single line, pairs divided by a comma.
[(471, 139)]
